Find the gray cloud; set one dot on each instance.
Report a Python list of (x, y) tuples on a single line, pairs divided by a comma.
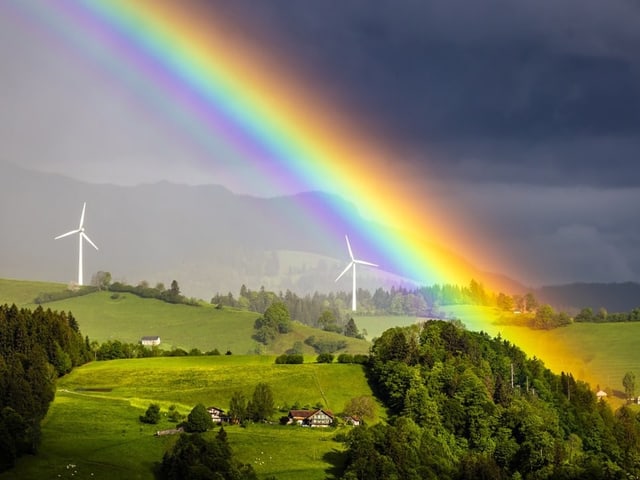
[(526, 113), (549, 91)]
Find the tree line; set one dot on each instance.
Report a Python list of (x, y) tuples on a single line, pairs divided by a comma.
[(308, 309), (36, 347), (464, 405), (102, 281)]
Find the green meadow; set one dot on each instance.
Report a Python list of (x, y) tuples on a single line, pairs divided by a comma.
[(126, 317), (23, 292), (93, 422)]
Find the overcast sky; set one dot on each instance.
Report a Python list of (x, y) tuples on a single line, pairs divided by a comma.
[(528, 110)]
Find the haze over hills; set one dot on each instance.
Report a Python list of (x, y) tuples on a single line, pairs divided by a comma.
[(614, 297), (206, 237), (210, 240)]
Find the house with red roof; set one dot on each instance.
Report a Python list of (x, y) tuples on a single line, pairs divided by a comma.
[(311, 418)]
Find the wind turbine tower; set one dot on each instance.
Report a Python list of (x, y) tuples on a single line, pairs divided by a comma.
[(81, 236), (352, 265)]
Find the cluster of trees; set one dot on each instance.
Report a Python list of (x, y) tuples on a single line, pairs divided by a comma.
[(588, 315), (325, 357), (159, 292), (325, 345), (115, 349), (309, 309), (258, 408), (194, 456), (275, 320), (102, 281), (36, 347), (63, 294), (464, 405), (544, 317)]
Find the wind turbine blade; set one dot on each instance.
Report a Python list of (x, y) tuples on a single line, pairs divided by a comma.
[(362, 262), (66, 234), (349, 247), (344, 271), (84, 235), (82, 216)]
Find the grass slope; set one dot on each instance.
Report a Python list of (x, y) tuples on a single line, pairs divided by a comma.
[(93, 422), (23, 293), (129, 317)]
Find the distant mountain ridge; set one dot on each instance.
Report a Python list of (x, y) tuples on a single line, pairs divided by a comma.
[(614, 297), (206, 237)]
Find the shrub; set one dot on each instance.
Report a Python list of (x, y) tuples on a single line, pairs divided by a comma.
[(173, 415), (325, 345), (295, 358), (292, 358), (345, 358), (325, 358), (361, 359), (152, 415)]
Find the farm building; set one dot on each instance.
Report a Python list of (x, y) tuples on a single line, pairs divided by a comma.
[(150, 341), (352, 420), (217, 414), (601, 394), (311, 418)]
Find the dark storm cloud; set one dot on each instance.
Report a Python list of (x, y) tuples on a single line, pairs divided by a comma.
[(515, 90), (524, 114)]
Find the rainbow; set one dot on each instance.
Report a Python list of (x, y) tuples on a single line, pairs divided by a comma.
[(251, 105), (256, 108)]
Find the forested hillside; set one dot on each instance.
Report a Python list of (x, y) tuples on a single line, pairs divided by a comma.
[(35, 348), (464, 405)]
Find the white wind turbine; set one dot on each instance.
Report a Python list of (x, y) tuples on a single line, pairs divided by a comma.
[(352, 264), (81, 236)]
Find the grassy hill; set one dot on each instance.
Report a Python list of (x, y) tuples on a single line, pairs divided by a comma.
[(597, 353), (126, 317), (93, 422), (23, 292)]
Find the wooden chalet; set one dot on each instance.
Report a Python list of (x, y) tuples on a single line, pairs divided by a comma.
[(311, 418), (217, 414)]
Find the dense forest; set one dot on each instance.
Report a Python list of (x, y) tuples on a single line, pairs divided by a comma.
[(36, 347), (464, 405)]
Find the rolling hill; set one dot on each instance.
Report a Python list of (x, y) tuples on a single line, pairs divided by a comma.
[(100, 403), (597, 353), (126, 317)]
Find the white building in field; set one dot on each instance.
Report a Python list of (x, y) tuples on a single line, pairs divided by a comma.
[(150, 341)]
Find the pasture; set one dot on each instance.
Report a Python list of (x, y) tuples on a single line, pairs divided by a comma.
[(23, 292), (126, 317), (93, 422)]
